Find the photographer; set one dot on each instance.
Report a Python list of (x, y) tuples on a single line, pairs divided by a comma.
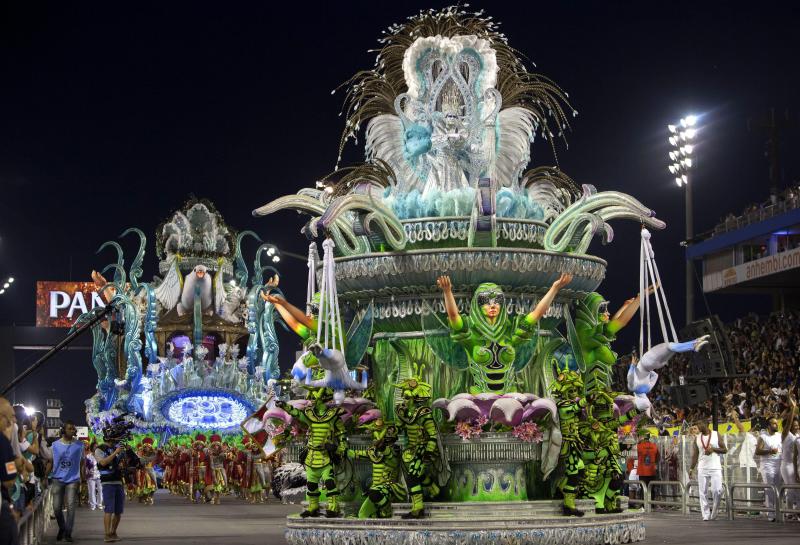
[(111, 461)]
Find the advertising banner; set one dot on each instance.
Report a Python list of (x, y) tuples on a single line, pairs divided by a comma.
[(758, 268), (59, 304)]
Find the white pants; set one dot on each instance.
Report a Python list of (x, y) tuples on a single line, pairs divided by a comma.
[(787, 474), (771, 474), (709, 479), (95, 493)]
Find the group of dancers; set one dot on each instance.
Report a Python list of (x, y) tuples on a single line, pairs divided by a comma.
[(202, 469)]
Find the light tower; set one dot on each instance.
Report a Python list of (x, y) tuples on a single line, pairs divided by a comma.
[(681, 136)]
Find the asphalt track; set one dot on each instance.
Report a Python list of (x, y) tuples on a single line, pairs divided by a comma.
[(174, 520)]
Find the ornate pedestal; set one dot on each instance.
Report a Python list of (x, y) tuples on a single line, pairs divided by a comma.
[(493, 468)]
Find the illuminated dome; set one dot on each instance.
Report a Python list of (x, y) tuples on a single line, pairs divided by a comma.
[(209, 409)]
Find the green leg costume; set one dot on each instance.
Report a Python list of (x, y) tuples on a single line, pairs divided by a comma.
[(324, 475), (573, 465)]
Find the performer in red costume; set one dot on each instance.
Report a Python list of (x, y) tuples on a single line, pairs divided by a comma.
[(199, 470), (146, 483), (216, 464)]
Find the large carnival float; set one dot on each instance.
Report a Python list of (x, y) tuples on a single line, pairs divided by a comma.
[(193, 350), (468, 272), (455, 379)]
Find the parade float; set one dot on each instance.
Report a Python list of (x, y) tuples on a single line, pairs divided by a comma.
[(191, 351), (489, 415)]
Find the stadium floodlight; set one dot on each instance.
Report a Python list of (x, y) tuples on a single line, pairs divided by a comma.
[(673, 140), (672, 128), (690, 120), (5, 286), (685, 178), (690, 133), (276, 259), (672, 169), (10, 279), (2, 292), (679, 181)]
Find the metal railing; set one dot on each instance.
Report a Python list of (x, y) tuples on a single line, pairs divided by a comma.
[(681, 503), (687, 501), (750, 507), (783, 497), (644, 501), (33, 524)]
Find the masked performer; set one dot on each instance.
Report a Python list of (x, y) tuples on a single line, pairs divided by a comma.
[(568, 391), (490, 337), (422, 457), (326, 446), (386, 486)]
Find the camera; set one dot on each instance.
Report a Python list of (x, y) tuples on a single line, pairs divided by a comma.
[(118, 430)]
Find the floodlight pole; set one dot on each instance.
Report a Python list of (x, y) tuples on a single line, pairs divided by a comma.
[(689, 235)]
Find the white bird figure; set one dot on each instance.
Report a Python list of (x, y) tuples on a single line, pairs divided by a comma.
[(179, 293), (642, 375), (337, 375)]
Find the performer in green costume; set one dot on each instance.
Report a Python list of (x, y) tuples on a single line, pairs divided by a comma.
[(591, 338), (385, 457), (422, 447), (305, 325), (568, 393), (594, 332), (325, 447), (607, 452), (490, 337)]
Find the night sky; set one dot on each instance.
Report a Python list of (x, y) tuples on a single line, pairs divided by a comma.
[(113, 114)]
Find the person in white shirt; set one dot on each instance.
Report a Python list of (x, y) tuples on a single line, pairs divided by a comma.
[(769, 449), (706, 457), (747, 470), (790, 433), (95, 490)]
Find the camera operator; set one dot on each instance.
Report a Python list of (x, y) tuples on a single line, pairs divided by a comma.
[(112, 461)]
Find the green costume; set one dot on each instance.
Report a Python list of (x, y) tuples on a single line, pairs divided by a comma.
[(422, 446), (384, 454), (568, 390), (607, 453), (594, 338), (491, 348), (591, 338), (326, 445)]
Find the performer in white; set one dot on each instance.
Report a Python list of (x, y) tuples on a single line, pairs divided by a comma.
[(790, 435), (769, 449), (706, 457)]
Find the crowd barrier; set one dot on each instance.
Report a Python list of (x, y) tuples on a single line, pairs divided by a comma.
[(33, 524), (687, 499)]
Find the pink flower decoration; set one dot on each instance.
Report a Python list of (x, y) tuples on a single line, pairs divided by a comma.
[(470, 429), (528, 432)]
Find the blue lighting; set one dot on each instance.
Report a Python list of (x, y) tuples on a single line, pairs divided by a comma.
[(206, 409)]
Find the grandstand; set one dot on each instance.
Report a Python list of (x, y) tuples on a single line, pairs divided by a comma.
[(756, 252)]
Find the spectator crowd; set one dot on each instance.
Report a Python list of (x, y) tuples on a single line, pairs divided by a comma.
[(765, 348)]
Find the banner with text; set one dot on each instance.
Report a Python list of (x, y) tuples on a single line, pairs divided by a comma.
[(59, 304), (765, 266)]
